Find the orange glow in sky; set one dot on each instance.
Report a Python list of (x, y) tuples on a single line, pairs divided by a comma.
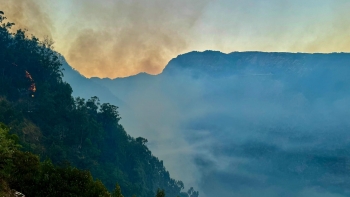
[(118, 38)]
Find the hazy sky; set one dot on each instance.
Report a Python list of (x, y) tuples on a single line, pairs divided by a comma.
[(116, 38)]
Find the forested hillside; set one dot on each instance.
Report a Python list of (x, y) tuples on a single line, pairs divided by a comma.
[(38, 108)]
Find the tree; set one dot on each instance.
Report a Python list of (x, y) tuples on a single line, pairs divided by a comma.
[(160, 193), (192, 193), (8, 147), (141, 140), (117, 191)]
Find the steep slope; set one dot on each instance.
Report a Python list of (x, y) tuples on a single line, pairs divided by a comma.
[(37, 105)]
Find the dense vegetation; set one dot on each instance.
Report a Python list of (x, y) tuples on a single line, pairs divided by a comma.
[(38, 108), (24, 171)]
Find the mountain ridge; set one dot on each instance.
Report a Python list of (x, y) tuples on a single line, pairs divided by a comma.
[(214, 57)]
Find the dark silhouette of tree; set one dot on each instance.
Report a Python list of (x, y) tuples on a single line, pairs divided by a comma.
[(160, 193)]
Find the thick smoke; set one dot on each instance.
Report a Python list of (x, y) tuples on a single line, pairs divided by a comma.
[(118, 38), (29, 15), (131, 36), (111, 38)]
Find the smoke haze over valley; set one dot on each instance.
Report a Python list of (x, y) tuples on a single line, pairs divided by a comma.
[(242, 124)]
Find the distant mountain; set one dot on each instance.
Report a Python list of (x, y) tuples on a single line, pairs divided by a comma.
[(216, 63), (306, 68), (246, 123)]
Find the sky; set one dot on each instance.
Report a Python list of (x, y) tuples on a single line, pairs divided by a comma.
[(120, 38)]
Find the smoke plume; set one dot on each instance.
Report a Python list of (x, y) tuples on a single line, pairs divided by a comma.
[(118, 38), (29, 15), (131, 36)]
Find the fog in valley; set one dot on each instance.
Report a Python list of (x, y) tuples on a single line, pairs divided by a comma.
[(243, 124)]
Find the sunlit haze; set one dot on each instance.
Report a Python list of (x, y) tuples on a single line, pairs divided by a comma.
[(118, 38)]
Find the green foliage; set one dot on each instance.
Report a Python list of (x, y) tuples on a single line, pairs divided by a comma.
[(23, 172), (39, 108), (117, 191), (68, 181), (8, 147), (160, 193)]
